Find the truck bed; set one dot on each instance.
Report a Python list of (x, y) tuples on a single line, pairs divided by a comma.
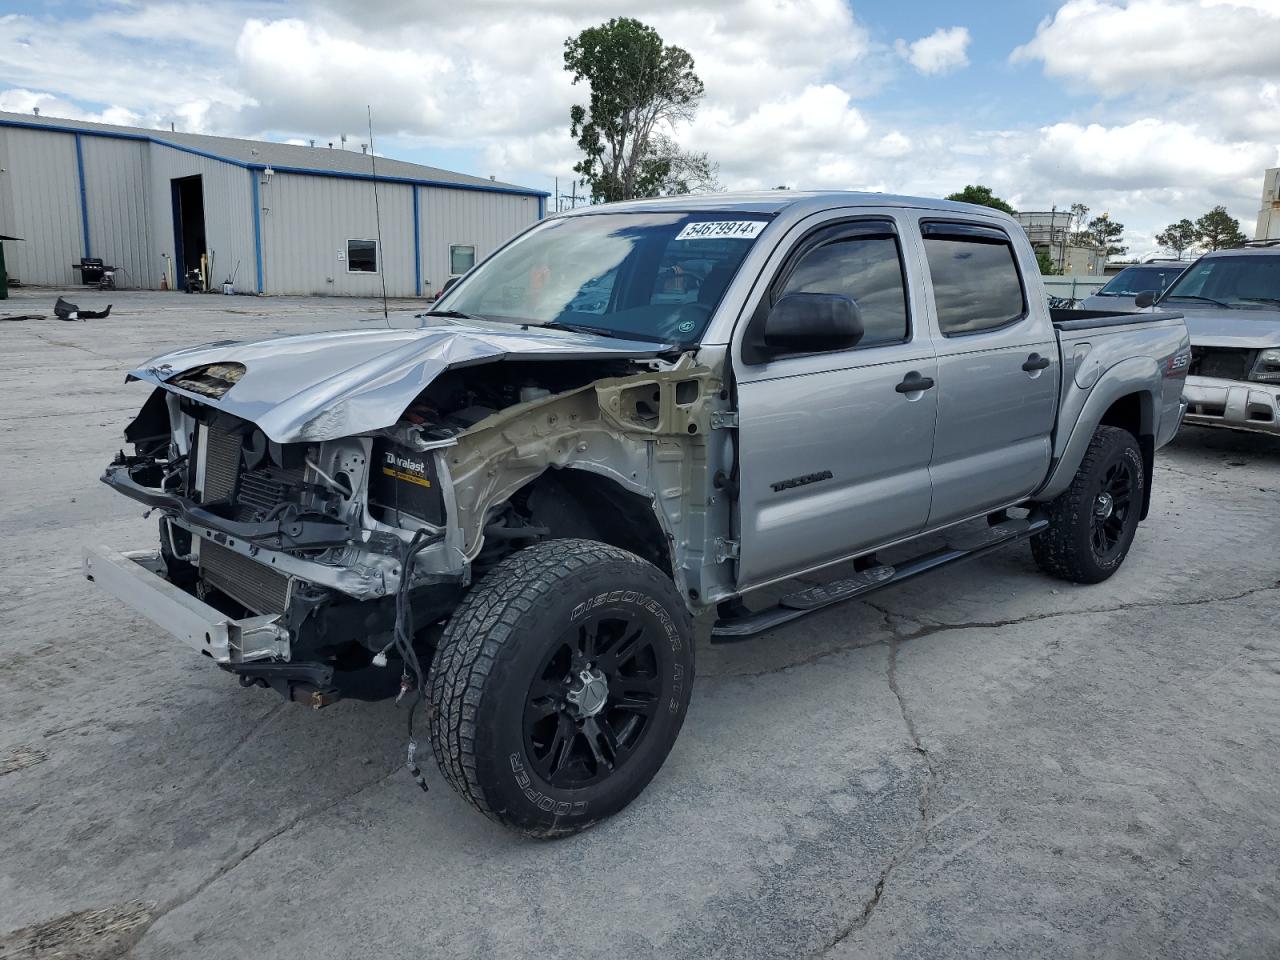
[(1089, 319)]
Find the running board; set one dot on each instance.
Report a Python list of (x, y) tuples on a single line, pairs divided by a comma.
[(963, 545)]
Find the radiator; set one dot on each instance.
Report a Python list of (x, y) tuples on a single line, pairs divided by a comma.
[(221, 461), (243, 579)]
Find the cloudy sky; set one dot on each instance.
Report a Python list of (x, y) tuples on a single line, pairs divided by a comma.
[(1149, 109)]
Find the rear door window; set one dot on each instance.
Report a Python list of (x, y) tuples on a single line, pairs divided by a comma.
[(976, 283)]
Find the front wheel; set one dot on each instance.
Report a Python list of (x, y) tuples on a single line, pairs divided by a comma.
[(560, 684), (1092, 523)]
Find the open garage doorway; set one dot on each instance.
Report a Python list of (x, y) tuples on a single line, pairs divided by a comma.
[(188, 232)]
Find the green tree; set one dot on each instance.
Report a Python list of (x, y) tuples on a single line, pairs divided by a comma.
[(640, 89), (1218, 230), (1178, 237), (1047, 267), (1107, 233), (1077, 229), (977, 193)]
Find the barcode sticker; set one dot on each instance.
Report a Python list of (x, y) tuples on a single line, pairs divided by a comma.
[(721, 229)]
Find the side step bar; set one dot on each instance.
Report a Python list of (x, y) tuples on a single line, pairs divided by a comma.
[(964, 545)]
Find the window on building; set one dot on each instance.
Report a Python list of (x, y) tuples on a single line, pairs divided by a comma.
[(462, 257), (362, 256), (976, 284), (868, 270)]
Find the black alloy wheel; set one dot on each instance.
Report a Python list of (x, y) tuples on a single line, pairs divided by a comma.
[(1111, 509), (592, 701)]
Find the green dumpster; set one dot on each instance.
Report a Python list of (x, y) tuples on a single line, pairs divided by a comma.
[(4, 276)]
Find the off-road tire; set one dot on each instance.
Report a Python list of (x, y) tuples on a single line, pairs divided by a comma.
[(489, 657), (1066, 550)]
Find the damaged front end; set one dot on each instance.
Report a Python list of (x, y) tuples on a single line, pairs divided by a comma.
[(282, 553)]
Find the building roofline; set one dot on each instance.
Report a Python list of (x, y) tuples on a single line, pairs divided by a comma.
[(278, 168)]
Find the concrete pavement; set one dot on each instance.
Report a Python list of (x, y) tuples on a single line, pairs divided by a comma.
[(983, 762)]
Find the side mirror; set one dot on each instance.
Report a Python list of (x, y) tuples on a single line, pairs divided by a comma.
[(447, 284), (812, 323), (1144, 299)]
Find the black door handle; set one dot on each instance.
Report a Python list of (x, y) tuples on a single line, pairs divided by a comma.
[(914, 383), (1035, 362)]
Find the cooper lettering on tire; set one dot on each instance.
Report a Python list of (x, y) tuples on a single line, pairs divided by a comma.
[(560, 685)]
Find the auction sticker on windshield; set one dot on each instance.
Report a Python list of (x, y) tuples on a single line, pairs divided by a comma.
[(709, 229)]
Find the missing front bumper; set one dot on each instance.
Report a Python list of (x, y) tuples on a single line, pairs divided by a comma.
[(137, 579)]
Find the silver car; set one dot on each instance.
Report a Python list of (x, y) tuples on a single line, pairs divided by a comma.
[(1121, 290), (1231, 301)]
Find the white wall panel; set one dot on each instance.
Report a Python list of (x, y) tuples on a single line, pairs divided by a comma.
[(119, 215), (42, 191), (485, 220), (307, 224)]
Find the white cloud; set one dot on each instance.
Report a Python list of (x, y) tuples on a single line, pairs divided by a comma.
[(1185, 94), (1114, 48), (941, 51)]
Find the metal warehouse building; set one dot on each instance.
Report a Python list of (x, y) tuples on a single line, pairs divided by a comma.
[(280, 218)]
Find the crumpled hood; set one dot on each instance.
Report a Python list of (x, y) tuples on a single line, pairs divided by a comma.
[(323, 386), (1250, 329)]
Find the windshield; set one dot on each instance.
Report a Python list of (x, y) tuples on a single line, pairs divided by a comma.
[(1132, 281), (649, 276), (1241, 282)]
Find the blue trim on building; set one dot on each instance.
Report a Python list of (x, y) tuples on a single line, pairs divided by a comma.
[(417, 245), (257, 227), (304, 171), (84, 198)]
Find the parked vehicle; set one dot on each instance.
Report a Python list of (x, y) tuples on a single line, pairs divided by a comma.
[(1232, 304), (1120, 292), (512, 514)]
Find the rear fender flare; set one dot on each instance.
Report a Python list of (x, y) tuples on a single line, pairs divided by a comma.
[(1136, 375)]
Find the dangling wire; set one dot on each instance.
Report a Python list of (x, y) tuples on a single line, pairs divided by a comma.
[(402, 638)]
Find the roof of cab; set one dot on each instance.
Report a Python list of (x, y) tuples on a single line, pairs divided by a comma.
[(775, 201)]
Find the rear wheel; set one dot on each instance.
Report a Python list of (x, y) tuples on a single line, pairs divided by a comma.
[(1093, 522), (560, 684)]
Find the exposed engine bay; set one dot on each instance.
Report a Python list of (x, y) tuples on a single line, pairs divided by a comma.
[(314, 537)]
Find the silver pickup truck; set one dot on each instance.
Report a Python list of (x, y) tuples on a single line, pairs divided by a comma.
[(630, 415)]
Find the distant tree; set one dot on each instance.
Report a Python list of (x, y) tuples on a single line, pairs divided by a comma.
[(782, 186), (1047, 267), (1079, 215), (1218, 230), (1178, 237), (977, 193), (674, 171), (639, 87), (1107, 234)]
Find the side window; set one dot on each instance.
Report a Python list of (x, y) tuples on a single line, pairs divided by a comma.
[(976, 284), (868, 270), (362, 256), (462, 257)]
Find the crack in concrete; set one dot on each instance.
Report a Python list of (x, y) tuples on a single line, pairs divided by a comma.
[(929, 628), (926, 823), (238, 860), (1237, 484), (861, 919)]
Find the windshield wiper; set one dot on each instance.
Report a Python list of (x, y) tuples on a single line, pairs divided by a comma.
[(1192, 296), (451, 315), (601, 331), (1275, 300)]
